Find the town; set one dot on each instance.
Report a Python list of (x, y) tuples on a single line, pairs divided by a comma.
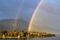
[(22, 34)]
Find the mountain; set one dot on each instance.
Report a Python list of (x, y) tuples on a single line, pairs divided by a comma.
[(8, 24)]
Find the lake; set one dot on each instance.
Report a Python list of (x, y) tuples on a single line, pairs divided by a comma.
[(47, 38)]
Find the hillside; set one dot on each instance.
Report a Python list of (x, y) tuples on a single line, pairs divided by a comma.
[(7, 24)]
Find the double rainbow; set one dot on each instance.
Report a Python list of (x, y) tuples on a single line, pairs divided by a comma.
[(31, 18)]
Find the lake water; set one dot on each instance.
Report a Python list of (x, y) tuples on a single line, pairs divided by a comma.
[(48, 38)]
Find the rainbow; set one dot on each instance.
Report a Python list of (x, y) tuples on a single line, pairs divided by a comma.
[(33, 14), (17, 15)]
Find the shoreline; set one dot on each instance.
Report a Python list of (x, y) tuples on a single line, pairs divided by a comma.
[(23, 37), (22, 34)]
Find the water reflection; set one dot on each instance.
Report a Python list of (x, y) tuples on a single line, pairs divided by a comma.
[(47, 38), (14, 39), (22, 39)]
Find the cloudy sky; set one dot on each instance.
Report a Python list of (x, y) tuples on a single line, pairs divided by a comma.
[(47, 17), (10, 8)]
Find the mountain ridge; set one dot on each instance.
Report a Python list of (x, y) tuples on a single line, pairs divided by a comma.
[(7, 24)]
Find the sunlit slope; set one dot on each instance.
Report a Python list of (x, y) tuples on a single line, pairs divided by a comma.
[(7, 24)]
